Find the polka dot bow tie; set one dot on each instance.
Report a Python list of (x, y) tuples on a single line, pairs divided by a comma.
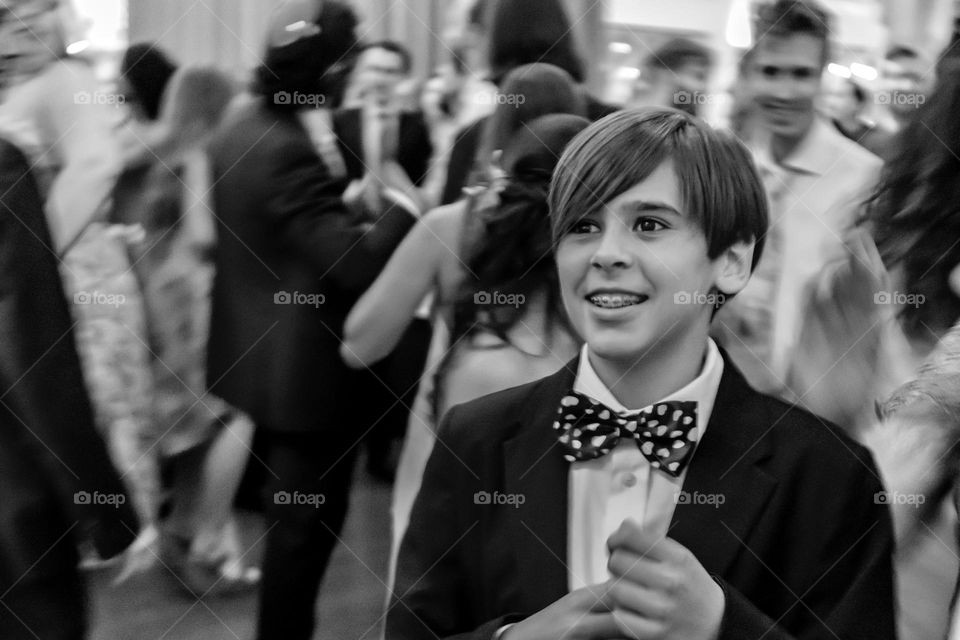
[(666, 432)]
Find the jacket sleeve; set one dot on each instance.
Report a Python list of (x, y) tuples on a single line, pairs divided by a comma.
[(432, 593), (314, 222)]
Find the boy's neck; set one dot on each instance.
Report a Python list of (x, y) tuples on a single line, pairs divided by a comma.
[(659, 373)]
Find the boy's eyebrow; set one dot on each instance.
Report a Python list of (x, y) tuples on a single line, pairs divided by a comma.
[(641, 206)]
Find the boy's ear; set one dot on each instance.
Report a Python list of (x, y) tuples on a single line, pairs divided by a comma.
[(732, 267)]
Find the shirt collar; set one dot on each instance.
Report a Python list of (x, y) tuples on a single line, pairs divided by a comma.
[(702, 389), (815, 154)]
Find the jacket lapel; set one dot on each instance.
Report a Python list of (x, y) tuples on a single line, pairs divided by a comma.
[(534, 468), (725, 490)]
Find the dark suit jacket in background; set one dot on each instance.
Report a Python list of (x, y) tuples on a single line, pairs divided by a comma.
[(800, 545), (414, 148), (282, 230), (49, 449)]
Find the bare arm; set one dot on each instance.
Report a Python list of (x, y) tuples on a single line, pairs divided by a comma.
[(386, 309)]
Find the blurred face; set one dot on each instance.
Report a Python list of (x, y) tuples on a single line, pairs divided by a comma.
[(906, 82), (784, 78), (635, 276), (30, 37), (693, 77), (379, 71)]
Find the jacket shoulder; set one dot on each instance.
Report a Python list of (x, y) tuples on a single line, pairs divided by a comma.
[(800, 439), (495, 417)]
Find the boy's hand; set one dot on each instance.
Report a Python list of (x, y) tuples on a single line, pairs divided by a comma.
[(584, 614), (659, 588)]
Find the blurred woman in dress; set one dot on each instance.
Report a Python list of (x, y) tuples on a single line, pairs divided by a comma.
[(202, 441), (498, 321)]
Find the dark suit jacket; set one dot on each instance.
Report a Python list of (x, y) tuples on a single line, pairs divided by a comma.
[(414, 148), (289, 265), (800, 546), (49, 449)]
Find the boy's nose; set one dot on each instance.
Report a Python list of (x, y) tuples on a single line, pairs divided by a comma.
[(611, 252)]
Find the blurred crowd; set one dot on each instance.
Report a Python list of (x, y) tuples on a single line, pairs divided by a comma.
[(219, 292)]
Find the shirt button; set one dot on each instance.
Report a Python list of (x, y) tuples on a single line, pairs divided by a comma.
[(629, 480)]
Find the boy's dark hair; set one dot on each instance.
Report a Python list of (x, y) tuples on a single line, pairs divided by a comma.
[(406, 60), (720, 187), (787, 18), (677, 53), (528, 31)]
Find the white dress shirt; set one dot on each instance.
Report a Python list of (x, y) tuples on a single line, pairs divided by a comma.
[(606, 491), (814, 196), (319, 126)]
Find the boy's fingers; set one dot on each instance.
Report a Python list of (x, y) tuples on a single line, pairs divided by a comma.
[(633, 537)]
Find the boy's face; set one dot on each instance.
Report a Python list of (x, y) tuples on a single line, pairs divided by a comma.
[(635, 276), (692, 77), (784, 78)]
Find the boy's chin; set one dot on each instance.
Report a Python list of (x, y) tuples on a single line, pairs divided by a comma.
[(613, 350)]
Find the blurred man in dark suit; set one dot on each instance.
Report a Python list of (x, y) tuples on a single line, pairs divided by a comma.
[(290, 262), (378, 138), (386, 147), (57, 485)]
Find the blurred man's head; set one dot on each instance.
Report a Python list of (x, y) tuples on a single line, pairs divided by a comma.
[(677, 74), (784, 67), (380, 68), (907, 79), (311, 47)]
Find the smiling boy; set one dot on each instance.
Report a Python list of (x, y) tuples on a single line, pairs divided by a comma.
[(662, 496)]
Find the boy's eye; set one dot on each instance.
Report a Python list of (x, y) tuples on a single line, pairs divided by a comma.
[(648, 225), (583, 226)]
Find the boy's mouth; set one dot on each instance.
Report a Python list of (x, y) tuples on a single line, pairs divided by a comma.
[(615, 300)]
